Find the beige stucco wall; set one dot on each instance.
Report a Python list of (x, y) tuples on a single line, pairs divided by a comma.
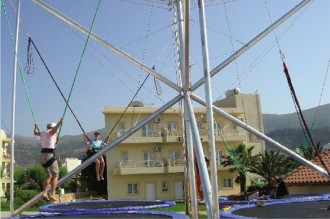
[(4, 160), (305, 189)]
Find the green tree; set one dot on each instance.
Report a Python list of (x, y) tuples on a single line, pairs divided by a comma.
[(69, 185), (240, 158), (19, 176), (271, 166), (35, 176), (309, 152)]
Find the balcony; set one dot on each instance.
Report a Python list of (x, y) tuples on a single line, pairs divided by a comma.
[(129, 167), (231, 135), (175, 166), (5, 179), (151, 136), (134, 167), (165, 135), (6, 158)]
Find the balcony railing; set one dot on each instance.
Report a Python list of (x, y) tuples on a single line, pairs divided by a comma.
[(5, 158), (149, 133), (133, 167), (139, 164)]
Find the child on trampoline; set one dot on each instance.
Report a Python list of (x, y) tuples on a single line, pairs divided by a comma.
[(96, 145)]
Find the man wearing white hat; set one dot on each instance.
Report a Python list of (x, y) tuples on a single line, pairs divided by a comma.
[(47, 157)]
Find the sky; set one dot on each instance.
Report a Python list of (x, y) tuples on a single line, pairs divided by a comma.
[(96, 78)]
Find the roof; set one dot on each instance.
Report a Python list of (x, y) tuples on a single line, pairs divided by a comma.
[(305, 175)]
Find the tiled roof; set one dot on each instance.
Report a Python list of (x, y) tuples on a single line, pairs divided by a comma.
[(305, 175)]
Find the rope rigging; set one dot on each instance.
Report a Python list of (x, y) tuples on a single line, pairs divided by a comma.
[(306, 130), (19, 65), (30, 44), (301, 116), (29, 67), (235, 62), (108, 136), (79, 64)]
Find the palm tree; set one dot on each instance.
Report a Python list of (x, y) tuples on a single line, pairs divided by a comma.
[(271, 166), (309, 152), (240, 158)]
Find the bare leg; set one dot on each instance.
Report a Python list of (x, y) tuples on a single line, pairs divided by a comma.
[(46, 184), (102, 164), (53, 188), (97, 169)]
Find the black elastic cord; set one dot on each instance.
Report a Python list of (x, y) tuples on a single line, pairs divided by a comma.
[(58, 88)]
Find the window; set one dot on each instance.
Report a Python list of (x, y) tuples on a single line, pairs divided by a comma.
[(124, 156), (147, 130), (227, 183), (174, 155), (121, 127), (164, 186), (148, 157), (132, 188), (171, 126), (217, 128), (250, 136), (219, 155)]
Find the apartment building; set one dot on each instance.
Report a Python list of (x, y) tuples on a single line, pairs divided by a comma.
[(149, 165), (4, 160)]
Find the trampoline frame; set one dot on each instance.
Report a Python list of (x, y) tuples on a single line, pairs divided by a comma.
[(292, 199), (157, 204)]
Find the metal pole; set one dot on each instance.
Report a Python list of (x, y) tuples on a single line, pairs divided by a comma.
[(118, 140), (206, 185), (191, 169), (186, 136), (181, 37), (12, 160), (252, 42), (186, 86), (210, 119), (108, 45), (186, 43), (263, 137)]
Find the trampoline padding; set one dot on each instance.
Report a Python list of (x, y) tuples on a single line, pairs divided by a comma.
[(105, 206), (137, 214)]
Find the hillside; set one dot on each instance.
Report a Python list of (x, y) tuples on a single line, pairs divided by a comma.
[(274, 122), (293, 138), (287, 130)]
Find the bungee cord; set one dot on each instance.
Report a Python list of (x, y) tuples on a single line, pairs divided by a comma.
[(53, 79), (79, 64), (19, 65), (306, 130)]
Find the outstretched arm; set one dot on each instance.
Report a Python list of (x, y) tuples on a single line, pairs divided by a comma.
[(36, 130), (54, 130), (86, 139)]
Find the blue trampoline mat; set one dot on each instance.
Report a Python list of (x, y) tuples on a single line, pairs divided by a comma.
[(105, 206), (315, 206), (138, 214)]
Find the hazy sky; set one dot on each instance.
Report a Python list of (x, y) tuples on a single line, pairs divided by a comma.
[(142, 28)]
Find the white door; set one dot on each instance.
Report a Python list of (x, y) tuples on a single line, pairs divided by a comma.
[(150, 191), (178, 189)]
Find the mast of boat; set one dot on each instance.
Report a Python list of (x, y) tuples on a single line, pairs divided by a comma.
[(12, 160)]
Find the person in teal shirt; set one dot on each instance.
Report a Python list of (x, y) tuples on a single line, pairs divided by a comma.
[(95, 145)]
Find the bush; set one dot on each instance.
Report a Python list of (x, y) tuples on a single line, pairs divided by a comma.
[(20, 198)]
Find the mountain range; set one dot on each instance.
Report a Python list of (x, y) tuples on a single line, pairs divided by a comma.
[(285, 129)]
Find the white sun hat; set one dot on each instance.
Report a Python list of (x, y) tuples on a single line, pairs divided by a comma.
[(53, 124)]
